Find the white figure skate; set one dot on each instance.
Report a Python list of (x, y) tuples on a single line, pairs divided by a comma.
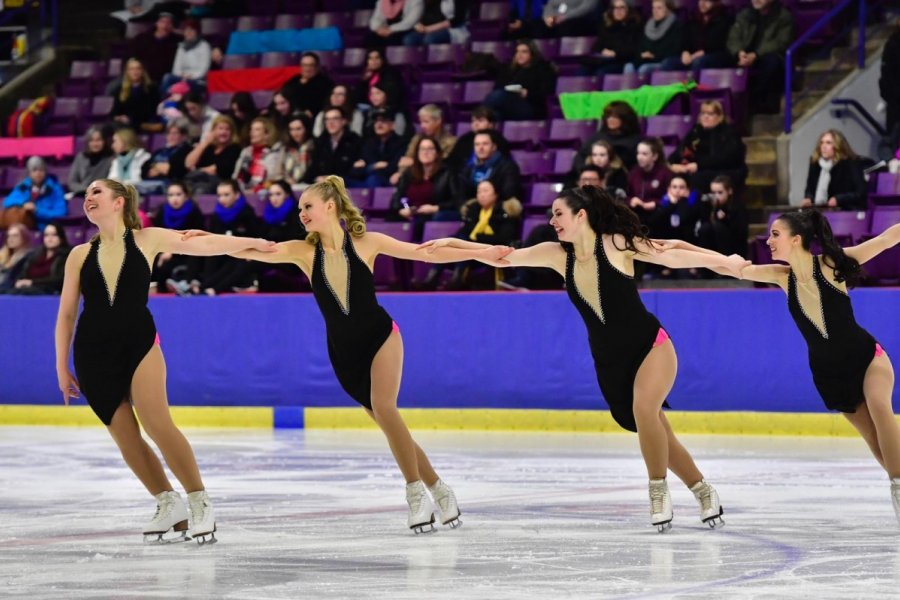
[(171, 515), (710, 509), (203, 521), (421, 510), (660, 505), (446, 502)]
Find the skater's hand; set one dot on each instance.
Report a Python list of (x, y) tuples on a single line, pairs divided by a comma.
[(495, 255), (737, 263), (663, 245), (263, 245), (192, 233), (431, 245), (68, 385)]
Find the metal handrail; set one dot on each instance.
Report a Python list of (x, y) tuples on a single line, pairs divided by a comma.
[(51, 20), (862, 112), (819, 25)]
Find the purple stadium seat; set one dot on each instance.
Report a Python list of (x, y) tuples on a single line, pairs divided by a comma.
[(75, 234), (298, 7), (240, 61), (565, 133), (341, 20), (502, 50), (254, 22), (534, 164), (381, 199), (206, 203), (625, 81), (157, 142), (474, 92), (216, 26), (441, 55), (220, 100), (884, 268), (493, 11), (671, 128), (361, 197), (76, 88), (848, 226), (114, 68), (548, 47), (543, 194), (724, 79), (462, 127), (887, 189), (432, 231), (135, 29), (562, 162), (410, 56), (577, 84), (278, 59), (442, 93), (531, 222), (86, 69), (525, 134), (293, 21), (262, 98), (330, 59), (354, 59), (67, 108), (361, 19), (572, 49), (668, 77)]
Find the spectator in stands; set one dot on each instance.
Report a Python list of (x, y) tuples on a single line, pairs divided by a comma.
[(489, 163), (610, 167), (43, 271), (617, 40), (213, 159), (280, 110), (526, 20), (242, 109), (261, 162), (156, 49), (308, 91), (723, 227), (377, 70), (280, 223), (381, 99), (889, 83), (381, 152), (704, 44), (835, 177), (522, 87), (200, 115), (428, 190), (564, 18), (170, 108), (486, 220), (174, 272), (434, 25), (341, 97), (648, 180), (391, 20), (128, 157), (590, 175), (233, 215), (482, 119), (758, 40), (192, 59), (92, 163), (711, 148), (36, 200), (298, 150), (661, 40), (679, 211), (619, 125), (137, 99), (166, 164), (431, 124), (336, 150), (16, 248)]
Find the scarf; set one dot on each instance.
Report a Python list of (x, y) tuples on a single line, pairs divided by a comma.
[(655, 30), (125, 165), (188, 46), (277, 216), (175, 218), (483, 171), (484, 224), (94, 158), (824, 181), (391, 9), (228, 215)]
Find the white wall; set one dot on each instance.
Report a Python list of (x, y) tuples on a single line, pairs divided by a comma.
[(862, 87)]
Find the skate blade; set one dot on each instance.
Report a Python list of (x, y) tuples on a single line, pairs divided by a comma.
[(663, 527), (454, 523), (206, 539), (424, 527), (715, 521), (159, 539)]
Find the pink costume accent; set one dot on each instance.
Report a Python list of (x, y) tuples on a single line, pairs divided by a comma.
[(395, 327), (879, 351), (661, 337)]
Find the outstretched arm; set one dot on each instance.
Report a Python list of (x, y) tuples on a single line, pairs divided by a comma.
[(683, 245), (432, 245), (549, 255), (294, 252), (385, 244), (676, 258), (168, 240), (776, 274), (869, 249)]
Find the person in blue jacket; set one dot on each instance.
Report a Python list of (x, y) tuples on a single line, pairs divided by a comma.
[(39, 193)]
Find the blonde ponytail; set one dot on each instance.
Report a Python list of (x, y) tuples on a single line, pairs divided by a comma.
[(333, 188), (132, 198)]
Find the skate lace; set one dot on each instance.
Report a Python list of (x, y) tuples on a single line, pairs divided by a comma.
[(198, 510), (443, 498), (415, 502), (657, 498), (163, 508), (705, 498)]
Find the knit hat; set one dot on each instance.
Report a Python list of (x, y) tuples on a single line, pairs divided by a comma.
[(181, 88)]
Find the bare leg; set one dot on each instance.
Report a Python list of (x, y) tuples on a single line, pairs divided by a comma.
[(426, 471), (148, 392), (862, 421), (387, 367), (659, 446), (877, 387), (138, 454)]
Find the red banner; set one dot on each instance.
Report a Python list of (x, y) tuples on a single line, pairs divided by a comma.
[(249, 80)]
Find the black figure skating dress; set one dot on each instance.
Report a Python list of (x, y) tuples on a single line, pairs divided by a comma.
[(115, 330), (840, 350), (356, 325), (621, 334)]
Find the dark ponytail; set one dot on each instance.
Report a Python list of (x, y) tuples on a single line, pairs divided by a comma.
[(605, 214), (811, 225)]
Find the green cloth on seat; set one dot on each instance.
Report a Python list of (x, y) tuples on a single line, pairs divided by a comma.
[(646, 101)]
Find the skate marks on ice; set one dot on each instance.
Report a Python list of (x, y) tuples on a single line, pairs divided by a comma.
[(323, 515)]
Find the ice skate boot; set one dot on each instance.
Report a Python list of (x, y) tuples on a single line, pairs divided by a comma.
[(421, 510), (203, 521), (171, 515), (660, 505), (895, 495), (710, 509), (446, 502)]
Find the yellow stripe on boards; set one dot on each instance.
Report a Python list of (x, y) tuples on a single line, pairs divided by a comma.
[(184, 416)]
